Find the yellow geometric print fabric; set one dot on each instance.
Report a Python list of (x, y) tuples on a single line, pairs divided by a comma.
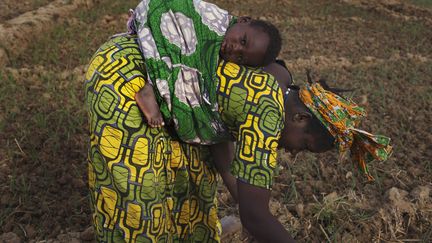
[(144, 186), (252, 107)]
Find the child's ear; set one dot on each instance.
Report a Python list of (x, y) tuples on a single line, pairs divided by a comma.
[(244, 19)]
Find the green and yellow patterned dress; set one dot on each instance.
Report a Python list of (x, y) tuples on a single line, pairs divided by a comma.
[(251, 105), (145, 185)]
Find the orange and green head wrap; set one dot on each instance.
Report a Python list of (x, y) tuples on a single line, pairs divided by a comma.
[(341, 116)]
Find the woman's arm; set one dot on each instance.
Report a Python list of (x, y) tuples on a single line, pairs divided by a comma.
[(223, 155), (281, 74), (256, 217)]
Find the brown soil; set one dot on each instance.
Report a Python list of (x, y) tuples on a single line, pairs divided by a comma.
[(380, 48), (11, 9), (395, 8), (16, 33)]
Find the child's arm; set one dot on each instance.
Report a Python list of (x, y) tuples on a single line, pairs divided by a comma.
[(146, 101)]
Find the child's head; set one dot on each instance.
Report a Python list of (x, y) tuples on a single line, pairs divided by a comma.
[(251, 42)]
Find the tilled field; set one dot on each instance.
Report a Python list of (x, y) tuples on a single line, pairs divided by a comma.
[(381, 48)]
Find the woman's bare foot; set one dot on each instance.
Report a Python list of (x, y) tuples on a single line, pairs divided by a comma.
[(146, 101)]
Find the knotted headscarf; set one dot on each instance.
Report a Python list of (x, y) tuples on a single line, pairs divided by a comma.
[(341, 117)]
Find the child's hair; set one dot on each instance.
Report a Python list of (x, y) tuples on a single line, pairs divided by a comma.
[(275, 42)]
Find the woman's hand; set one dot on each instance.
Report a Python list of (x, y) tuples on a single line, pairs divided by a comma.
[(256, 217)]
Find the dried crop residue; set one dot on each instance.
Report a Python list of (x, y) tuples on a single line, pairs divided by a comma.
[(13, 8), (396, 8), (324, 62), (18, 32), (400, 213)]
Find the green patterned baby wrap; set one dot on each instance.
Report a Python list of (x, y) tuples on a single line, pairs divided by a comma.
[(180, 41)]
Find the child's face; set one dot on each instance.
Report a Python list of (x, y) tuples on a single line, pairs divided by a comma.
[(244, 44)]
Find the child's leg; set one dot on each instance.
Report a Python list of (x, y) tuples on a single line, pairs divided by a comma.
[(146, 101), (223, 154)]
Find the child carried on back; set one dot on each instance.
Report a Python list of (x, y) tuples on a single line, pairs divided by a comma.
[(182, 43)]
